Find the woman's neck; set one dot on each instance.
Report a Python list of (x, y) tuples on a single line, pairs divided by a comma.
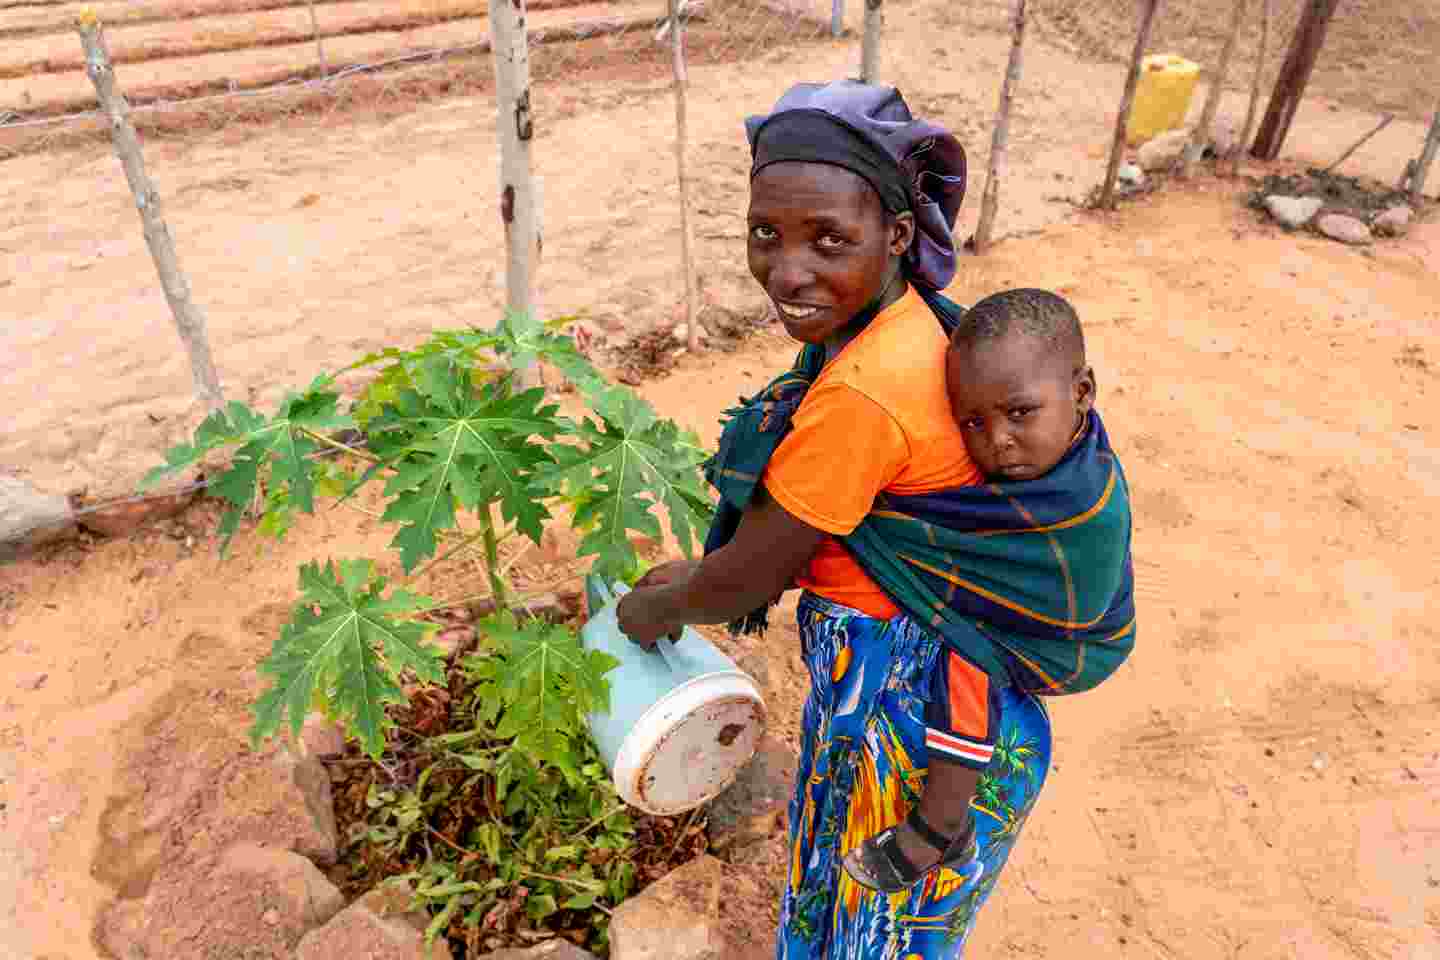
[(893, 290)]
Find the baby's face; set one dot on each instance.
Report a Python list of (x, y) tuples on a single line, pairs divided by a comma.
[(1017, 404)]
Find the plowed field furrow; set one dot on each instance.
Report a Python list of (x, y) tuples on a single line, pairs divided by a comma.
[(24, 19), (59, 52), (179, 77)]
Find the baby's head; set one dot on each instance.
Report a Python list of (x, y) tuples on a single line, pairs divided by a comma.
[(1018, 382)]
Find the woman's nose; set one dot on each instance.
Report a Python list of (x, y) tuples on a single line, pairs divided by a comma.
[(788, 276)]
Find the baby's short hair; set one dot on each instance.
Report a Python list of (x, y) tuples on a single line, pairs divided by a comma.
[(1039, 314)]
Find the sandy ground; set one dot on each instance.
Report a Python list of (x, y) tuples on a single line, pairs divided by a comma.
[(1261, 782)]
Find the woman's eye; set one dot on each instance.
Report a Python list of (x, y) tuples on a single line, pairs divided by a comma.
[(1020, 413), (972, 424), (830, 241), (762, 232)]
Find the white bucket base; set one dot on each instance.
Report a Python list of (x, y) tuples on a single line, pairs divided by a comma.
[(691, 744)]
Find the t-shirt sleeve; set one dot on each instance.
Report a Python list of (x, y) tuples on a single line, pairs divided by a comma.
[(842, 450)]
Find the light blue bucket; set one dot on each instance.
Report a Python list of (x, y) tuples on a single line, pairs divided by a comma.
[(683, 719)]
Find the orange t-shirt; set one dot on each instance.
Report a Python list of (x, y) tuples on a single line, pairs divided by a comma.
[(877, 418)]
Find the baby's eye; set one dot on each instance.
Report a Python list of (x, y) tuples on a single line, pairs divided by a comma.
[(1020, 413), (762, 232), (973, 423), (831, 241)]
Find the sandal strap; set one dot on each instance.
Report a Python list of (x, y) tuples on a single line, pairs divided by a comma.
[(931, 836), (899, 870)]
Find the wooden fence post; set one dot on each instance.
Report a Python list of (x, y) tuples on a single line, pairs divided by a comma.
[(1421, 171), (1203, 135), (319, 44), (1127, 100), (1266, 14), (990, 200), (837, 17), (519, 190), (189, 319), (1294, 75), (870, 44), (682, 136)]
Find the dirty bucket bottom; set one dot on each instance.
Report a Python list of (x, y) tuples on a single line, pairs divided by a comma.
[(691, 744)]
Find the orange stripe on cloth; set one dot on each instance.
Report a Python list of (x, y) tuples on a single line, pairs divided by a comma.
[(969, 689)]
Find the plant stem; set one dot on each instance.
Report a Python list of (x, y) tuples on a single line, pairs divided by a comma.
[(618, 808), (342, 447), (492, 559), (451, 843)]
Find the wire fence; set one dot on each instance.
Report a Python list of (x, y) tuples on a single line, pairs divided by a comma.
[(1379, 55), (206, 64), (189, 65)]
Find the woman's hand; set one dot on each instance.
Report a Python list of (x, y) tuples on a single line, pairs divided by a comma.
[(639, 613), (668, 572), (768, 551)]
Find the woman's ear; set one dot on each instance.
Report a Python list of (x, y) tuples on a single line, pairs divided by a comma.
[(902, 233), (1084, 391)]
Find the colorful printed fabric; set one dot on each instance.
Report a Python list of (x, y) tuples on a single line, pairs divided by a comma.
[(863, 762)]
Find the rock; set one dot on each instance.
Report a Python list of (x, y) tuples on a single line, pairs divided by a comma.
[(676, 918), (549, 950), (123, 519), (378, 926), (1159, 155), (1394, 222), (29, 518), (752, 809), (1292, 212), (1338, 226), (251, 901), (304, 813), (321, 737)]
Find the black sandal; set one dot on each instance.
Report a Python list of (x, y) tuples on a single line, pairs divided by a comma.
[(885, 865)]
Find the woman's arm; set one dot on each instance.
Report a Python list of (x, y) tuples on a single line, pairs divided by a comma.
[(768, 551)]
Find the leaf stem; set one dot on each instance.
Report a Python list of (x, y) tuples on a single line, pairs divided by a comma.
[(451, 843), (618, 808), (468, 541), (342, 447)]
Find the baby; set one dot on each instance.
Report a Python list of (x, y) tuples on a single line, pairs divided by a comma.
[(1021, 394)]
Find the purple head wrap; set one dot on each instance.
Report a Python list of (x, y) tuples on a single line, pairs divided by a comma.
[(912, 164)]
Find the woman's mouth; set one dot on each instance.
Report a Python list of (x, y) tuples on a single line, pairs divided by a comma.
[(795, 311)]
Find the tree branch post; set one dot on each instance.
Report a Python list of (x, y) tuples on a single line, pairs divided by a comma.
[(990, 200), (319, 44), (189, 319), (1127, 100), (1204, 134), (682, 136), (1267, 13), (519, 189), (870, 44), (1421, 171), (1294, 75)]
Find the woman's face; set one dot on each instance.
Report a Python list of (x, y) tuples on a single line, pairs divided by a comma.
[(822, 246)]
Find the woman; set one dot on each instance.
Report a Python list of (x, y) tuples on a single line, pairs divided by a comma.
[(851, 206)]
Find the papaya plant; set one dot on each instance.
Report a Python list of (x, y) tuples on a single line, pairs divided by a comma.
[(446, 432)]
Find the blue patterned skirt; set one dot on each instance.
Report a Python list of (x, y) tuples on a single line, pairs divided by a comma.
[(862, 767)]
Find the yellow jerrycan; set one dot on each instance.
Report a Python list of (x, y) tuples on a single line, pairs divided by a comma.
[(1162, 96)]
